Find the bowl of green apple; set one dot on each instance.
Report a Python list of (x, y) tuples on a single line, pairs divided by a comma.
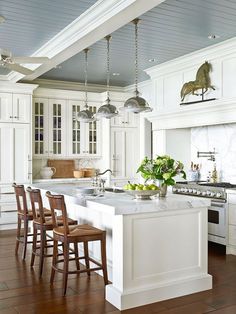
[(141, 191)]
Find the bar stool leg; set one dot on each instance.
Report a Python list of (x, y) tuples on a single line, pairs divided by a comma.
[(54, 260), (25, 238), (104, 258), (18, 234), (66, 266), (76, 256), (86, 255), (42, 248), (34, 246)]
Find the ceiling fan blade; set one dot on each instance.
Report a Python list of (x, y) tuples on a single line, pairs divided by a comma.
[(19, 68), (29, 59)]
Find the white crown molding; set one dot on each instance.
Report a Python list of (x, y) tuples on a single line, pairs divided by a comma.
[(209, 53), (104, 17), (56, 84), (21, 88), (95, 97), (219, 111)]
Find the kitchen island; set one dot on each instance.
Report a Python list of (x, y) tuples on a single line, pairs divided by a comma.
[(156, 249)]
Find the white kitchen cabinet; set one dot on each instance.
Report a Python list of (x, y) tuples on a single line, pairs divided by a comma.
[(8, 209), (231, 214), (49, 127), (83, 138), (124, 152), (15, 155), (125, 119), (15, 108)]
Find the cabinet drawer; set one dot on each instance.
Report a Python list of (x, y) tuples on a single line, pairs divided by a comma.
[(8, 218)]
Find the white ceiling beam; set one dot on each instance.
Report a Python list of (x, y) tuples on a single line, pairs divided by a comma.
[(103, 18)]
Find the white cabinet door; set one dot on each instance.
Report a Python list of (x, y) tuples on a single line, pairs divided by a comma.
[(125, 119), (49, 127), (15, 108), (21, 111), (83, 138), (6, 107), (14, 153), (124, 152), (57, 128)]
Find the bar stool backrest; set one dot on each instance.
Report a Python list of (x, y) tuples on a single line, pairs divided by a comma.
[(36, 204), (57, 203), (20, 199)]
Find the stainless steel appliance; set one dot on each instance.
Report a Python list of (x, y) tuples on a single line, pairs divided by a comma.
[(217, 227)]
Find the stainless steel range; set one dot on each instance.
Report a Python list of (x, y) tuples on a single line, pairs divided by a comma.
[(217, 211)]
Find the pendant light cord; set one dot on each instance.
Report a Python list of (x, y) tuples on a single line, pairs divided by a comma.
[(108, 38), (86, 77), (136, 21)]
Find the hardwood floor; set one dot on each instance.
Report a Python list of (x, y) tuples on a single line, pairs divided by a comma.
[(22, 292)]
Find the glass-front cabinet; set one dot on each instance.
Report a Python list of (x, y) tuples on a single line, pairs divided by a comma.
[(58, 133), (82, 137), (49, 126)]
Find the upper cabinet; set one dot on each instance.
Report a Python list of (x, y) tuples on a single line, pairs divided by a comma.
[(49, 126), (15, 108), (57, 133), (83, 138), (125, 119)]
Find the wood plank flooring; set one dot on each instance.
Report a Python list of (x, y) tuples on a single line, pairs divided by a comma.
[(22, 292)]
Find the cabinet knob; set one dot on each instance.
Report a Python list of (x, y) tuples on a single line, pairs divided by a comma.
[(16, 117), (11, 117)]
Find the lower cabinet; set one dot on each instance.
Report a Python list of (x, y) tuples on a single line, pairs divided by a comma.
[(8, 209), (124, 152), (231, 242)]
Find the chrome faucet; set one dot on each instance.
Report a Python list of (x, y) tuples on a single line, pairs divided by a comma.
[(97, 181)]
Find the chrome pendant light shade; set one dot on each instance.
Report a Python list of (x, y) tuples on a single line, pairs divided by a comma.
[(107, 110), (136, 104), (86, 115)]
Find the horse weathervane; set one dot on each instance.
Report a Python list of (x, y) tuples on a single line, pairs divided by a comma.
[(202, 82)]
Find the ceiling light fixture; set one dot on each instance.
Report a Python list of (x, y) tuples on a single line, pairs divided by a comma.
[(107, 111), (86, 115), (213, 36), (136, 104)]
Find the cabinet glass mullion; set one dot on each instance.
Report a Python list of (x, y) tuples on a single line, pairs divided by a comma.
[(39, 128), (57, 128), (92, 134), (76, 131)]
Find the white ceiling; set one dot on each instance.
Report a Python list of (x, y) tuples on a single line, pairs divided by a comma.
[(169, 30)]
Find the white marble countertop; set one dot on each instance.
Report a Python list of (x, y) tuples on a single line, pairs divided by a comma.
[(63, 180), (122, 203)]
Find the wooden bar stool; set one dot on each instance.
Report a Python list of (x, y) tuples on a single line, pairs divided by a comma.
[(74, 234), (43, 224), (23, 215)]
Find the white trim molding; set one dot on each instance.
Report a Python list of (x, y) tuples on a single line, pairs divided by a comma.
[(215, 112), (20, 88)]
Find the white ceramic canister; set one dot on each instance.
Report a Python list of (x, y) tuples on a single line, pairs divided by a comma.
[(47, 172)]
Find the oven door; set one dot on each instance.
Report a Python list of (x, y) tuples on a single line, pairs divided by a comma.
[(217, 219)]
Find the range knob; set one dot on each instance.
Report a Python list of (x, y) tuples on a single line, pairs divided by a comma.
[(198, 192), (174, 190), (208, 193), (218, 194), (195, 191), (204, 193), (190, 190), (212, 194)]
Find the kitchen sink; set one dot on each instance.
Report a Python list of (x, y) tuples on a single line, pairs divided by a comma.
[(114, 190)]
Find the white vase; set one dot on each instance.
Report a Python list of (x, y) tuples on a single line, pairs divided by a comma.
[(47, 172)]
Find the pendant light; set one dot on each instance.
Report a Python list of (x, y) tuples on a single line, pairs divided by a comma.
[(86, 115), (107, 111), (136, 104)]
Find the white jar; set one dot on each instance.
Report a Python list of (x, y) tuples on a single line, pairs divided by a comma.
[(47, 172)]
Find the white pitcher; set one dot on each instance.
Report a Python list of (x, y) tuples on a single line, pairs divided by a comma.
[(47, 172)]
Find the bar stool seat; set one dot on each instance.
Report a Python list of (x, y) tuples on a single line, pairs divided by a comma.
[(47, 213), (77, 232), (48, 222)]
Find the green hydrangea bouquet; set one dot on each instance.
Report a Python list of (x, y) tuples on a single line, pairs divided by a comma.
[(162, 168)]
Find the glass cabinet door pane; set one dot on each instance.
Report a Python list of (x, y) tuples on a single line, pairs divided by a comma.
[(92, 136), (38, 128), (76, 140), (57, 128)]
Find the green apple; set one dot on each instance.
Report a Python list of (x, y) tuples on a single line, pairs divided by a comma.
[(146, 187)]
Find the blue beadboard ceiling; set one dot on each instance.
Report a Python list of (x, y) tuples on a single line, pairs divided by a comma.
[(172, 29), (31, 23)]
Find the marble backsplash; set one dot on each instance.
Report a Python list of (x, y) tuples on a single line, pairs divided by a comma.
[(223, 139)]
